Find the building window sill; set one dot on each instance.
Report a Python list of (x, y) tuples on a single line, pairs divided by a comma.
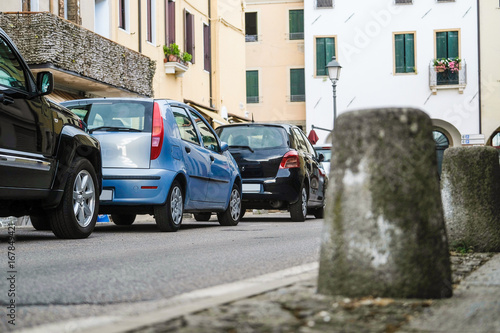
[(460, 88), (173, 67)]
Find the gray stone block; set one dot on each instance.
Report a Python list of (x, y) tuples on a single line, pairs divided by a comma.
[(384, 233), (470, 188)]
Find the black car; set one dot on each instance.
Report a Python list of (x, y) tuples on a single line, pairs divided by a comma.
[(279, 167), (50, 167)]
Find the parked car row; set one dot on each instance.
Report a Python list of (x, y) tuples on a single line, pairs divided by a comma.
[(64, 164)]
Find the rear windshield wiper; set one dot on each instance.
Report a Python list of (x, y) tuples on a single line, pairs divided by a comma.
[(112, 128), (246, 147)]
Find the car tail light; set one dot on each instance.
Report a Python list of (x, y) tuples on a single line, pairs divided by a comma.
[(290, 160), (157, 132)]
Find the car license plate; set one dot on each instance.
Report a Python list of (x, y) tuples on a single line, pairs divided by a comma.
[(106, 195), (251, 188)]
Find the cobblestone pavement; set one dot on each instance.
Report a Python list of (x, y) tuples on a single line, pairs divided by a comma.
[(298, 308)]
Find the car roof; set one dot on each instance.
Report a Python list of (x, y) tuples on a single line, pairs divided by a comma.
[(114, 99), (285, 126)]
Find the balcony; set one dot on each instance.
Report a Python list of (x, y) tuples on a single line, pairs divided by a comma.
[(79, 58), (448, 79)]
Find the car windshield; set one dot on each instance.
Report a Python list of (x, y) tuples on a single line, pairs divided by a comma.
[(255, 137), (115, 115)]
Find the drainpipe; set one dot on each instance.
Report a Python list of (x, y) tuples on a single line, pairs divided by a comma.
[(479, 63), (139, 25)]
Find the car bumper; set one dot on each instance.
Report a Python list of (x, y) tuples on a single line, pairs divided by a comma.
[(285, 187), (135, 186)]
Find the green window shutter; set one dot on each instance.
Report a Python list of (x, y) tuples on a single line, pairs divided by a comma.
[(452, 44), (297, 85), (409, 53), (296, 24), (441, 45), (399, 56), (330, 50), (325, 50), (252, 86), (320, 57)]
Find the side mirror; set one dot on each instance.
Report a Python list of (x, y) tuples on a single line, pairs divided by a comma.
[(224, 146), (45, 83), (321, 157)]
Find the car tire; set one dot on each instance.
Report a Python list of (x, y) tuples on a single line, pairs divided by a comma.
[(80, 192), (40, 222), (202, 217), (298, 210), (319, 213), (123, 219), (169, 216), (231, 216), (242, 212)]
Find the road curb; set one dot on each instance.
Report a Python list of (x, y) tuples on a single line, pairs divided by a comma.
[(186, 303)]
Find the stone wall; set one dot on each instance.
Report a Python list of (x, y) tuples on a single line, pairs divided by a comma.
[(43, 38)]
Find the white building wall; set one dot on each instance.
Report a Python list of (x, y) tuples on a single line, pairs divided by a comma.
[(364, 37)]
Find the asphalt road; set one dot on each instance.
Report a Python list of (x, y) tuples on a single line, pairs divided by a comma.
[(128, 269)]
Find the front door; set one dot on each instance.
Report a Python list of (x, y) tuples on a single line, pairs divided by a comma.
[(26, 139)]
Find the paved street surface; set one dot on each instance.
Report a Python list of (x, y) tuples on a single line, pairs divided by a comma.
[(130, 270)]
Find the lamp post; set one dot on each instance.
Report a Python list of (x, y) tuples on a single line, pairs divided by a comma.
[(334, 75)]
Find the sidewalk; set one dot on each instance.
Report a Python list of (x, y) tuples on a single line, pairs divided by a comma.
[(289, 303)]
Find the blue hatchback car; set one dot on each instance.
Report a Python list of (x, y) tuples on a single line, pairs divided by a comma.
[(160, 157)]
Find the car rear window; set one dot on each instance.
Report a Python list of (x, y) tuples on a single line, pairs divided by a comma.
[(255, 137), (122, 114)]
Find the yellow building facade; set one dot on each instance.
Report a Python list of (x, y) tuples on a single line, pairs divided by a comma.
[(212, 31), (489, 18), (275, 61)]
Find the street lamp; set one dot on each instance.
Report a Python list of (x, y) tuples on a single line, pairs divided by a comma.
[(334, 75)]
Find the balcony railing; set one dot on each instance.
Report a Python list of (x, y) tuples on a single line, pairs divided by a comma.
[(447, 79), (48, 41)]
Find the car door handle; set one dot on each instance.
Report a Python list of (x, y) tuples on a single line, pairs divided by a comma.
[(188, 150), (6, 100), (212, 158)]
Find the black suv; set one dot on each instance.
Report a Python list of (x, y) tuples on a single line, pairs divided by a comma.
[(279, 168), (50, 168)]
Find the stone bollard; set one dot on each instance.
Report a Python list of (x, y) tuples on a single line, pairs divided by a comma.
[(470, 188), (384, 233)]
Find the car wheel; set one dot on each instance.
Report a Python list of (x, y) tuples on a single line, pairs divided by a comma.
[(242, 212), (231, 216), (40, 222), (202, 217), (298, 210), (123, 219), (169, 216), (319, 213), (76, 215)]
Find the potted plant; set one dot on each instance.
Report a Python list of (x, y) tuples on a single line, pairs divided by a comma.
[(443, 64), (186, 57), (172, 52)]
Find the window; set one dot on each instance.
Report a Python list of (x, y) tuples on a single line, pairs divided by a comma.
[(324, 3), (251, 27), (403, 2), (252, 86), (296, 24), (207, 50), (447, 47), (169, 22), (122, 14), (11, 73), (186, 127), (189, 34), (151, 21), (207, 136), (404, 52), (297, 85), (325, 50)]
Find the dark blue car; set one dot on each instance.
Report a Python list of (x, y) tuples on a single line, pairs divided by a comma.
[(161, 157)]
